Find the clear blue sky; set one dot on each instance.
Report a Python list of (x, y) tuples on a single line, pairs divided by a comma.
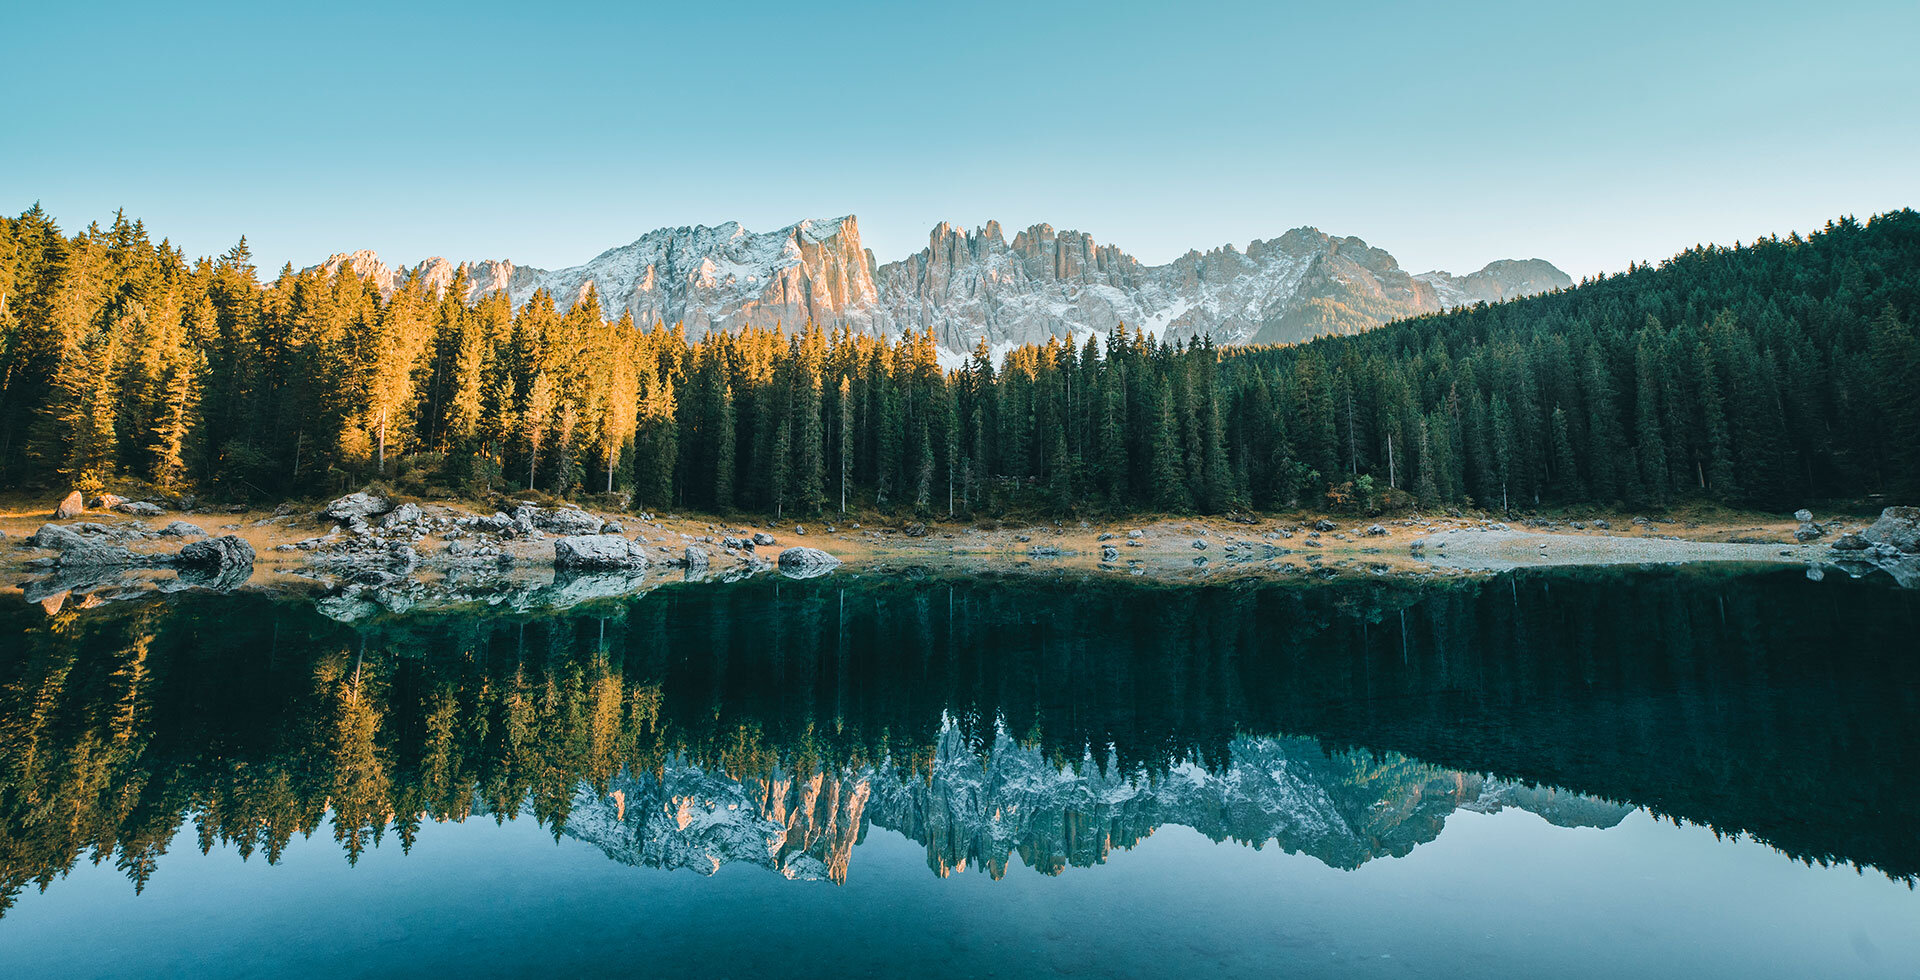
[(545, 132)]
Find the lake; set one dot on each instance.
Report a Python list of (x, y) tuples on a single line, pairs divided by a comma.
[(1677, 771)]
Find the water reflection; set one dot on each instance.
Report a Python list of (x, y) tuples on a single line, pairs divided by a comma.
[(775, 722)]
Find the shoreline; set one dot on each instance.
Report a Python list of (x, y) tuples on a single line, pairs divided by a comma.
[(302, 549)]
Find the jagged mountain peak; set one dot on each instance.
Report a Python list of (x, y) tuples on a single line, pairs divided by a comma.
[(970, 285)]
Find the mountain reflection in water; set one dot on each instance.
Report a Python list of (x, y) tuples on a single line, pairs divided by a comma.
[(774, 722)]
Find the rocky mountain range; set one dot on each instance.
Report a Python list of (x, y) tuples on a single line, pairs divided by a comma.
[(977, 809), (974, 286)]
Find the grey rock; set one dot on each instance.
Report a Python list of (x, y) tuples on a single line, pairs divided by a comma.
[(696, 558), (1898, 527), (1850, 542), (360, 506), (1808, 531), (140, 508), (401, 515), (806, 562), (568, 521), (1803, 515), (219, 554), (181, 529), (598, 552), (1199, 545), (1323, 525), (1376, 530), (762, 538), (1109, 553)]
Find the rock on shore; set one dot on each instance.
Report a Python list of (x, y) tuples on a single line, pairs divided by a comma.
[(806, 562), (598, 552)]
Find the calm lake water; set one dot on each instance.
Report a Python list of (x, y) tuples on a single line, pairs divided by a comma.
[(1669, 773)]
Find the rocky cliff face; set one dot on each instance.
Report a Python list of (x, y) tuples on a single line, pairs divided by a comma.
[(974, 286), (978, 810)]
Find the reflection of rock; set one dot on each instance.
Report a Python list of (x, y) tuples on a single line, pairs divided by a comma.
[(216, 578), (975, 808), (77, 579), (573, 588), (803, 827)]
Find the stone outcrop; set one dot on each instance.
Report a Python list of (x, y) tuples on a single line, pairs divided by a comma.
[(1898, 528)]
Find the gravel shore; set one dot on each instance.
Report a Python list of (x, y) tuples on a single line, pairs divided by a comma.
[(1497, 550)]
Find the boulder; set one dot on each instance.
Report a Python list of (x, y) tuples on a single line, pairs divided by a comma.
[(1803, 515), (597, 552), (54, 537), (1199, 545), (1109, 553), (1808, 531), (1850, 542), (696, 558), (403, 514), (762, 538), (914, 530), (1898, 527), (1134, 535), (107, 501), (70, 508), (1324, 525), (219, 554), (570, 521), (806, 562), (361, 505), (140, 508)]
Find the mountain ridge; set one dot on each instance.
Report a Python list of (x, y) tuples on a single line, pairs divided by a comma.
[(977, 286)]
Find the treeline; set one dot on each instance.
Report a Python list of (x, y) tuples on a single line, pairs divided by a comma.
[(1766, 374)]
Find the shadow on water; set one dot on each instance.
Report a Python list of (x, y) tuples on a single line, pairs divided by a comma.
[(774, 721)]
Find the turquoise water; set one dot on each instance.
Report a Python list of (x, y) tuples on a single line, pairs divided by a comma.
[(1635, 773)]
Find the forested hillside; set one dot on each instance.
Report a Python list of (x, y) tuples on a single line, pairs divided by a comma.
[(1769, 374)]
